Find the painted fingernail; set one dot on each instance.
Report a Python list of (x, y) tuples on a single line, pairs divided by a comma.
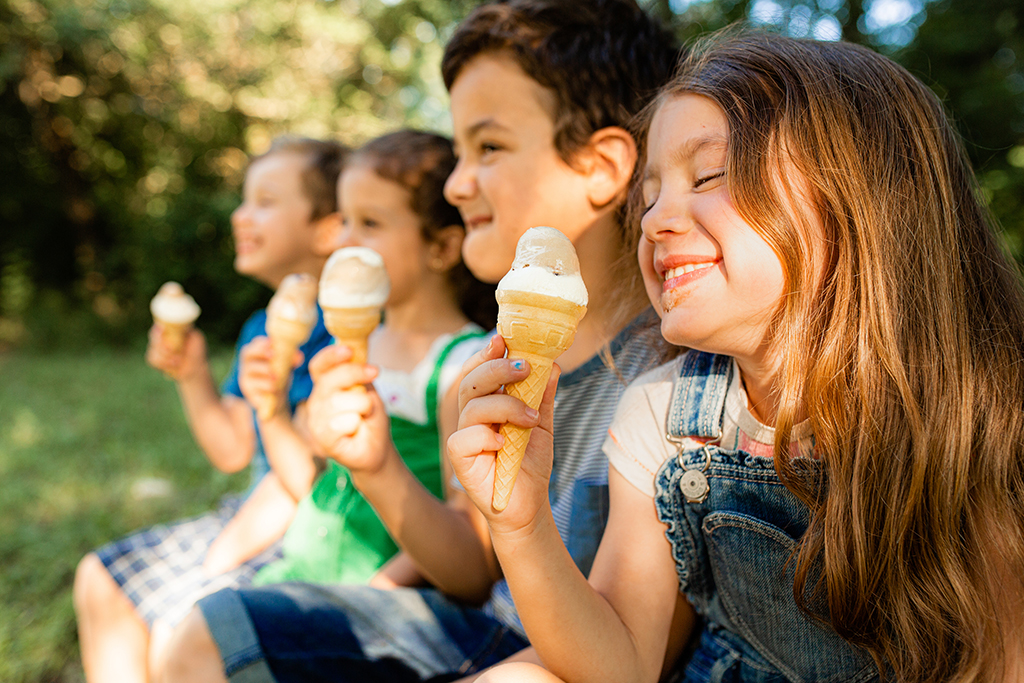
[(519, 364)]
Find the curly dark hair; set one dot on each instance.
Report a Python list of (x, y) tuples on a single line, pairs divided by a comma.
[(325, 159), (602, 60), (421, 163)]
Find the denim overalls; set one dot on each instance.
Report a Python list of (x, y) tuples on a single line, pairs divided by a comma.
[(733, 550)]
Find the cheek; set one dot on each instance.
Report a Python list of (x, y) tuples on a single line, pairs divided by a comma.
[(652, 283), (484, 256)]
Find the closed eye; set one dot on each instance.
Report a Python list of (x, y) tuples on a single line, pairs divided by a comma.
[(706, 179)]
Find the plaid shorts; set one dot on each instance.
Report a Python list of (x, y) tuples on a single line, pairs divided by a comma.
[(160, 568)]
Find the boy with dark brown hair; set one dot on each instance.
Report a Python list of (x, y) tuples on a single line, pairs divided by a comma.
[(542, 92)]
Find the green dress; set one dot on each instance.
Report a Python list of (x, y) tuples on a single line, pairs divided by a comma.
[(336, 537)]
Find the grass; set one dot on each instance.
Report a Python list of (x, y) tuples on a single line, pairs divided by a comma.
[(89, 443)]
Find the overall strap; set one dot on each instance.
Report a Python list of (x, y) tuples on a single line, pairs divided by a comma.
[(435, 376), (698, 400)]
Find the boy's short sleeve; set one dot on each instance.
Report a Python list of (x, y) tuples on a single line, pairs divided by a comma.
[(636, 445), (254, 327)]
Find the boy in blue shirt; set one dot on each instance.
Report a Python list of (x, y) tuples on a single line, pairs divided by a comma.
[(130, 593)]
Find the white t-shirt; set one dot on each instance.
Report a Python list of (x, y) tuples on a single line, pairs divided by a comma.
[(405, 393), (637, 446)]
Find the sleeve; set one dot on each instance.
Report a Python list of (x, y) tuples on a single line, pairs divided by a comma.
[(636, 444), (255, 326), (451, 371)]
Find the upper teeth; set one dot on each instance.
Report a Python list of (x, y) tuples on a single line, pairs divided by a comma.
[(688, 268)]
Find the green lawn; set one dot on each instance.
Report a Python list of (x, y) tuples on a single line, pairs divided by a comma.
[(92, 446)]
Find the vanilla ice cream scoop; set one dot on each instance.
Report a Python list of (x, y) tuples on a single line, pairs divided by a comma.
[(295, 299), (173, 306), (354, 277), (546, 263)]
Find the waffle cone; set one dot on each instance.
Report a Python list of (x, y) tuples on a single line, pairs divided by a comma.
[(538, 329), (352, 327), (286, 336), (173, 335)]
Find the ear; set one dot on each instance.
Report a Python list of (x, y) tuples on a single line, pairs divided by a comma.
[(446, 246), (607, 160), (326, 234)]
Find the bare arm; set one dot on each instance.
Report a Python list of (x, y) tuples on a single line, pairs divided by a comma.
[(221, 426), (400, 571), (617, 625), (288, 450), (351, 425), (260, 521)]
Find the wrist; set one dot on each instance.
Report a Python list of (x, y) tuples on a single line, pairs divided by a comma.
[(509, 532), (199, 374), (381, 474)]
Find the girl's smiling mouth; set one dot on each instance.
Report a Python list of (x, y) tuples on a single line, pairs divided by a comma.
[(679, 275)]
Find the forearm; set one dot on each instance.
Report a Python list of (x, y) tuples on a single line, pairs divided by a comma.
[(429, 530), (221, 437), (577, 634), (289, 454)]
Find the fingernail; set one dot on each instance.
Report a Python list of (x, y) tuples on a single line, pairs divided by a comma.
[(501, 440), (519, 364), (531, 413)]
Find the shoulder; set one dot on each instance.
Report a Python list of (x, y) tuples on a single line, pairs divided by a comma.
[(465, 343), (637, 445), (254, 326)]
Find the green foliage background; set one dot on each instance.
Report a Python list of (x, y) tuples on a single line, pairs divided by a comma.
[(125, 125)]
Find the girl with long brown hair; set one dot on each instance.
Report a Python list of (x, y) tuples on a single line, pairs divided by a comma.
[(831, 477)]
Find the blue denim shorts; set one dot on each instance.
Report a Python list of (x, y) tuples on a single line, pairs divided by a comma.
[(302, 632)]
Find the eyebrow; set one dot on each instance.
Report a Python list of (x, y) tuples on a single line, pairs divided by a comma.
[(692, 148), (485, 123)]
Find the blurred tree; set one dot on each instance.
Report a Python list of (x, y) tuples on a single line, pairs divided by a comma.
[(125, 127), (972, 54)]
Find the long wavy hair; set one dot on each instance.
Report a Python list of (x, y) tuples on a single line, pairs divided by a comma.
[(901, 334)]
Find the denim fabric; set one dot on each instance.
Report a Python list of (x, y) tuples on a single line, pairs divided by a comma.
[(734, 552), (356, 633)]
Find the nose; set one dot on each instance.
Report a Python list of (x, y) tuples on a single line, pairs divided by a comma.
[(461, 184), (348, 236), (663, 218), (240, 216)]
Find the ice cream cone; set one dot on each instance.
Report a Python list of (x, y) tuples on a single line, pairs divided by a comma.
[(536, 328), (174, 311), (291, 317), (352, 327), (540, 302), (353, 289), (286, 336), (173, 334)]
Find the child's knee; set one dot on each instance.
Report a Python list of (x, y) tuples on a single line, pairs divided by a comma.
[(93, 583), (190, 653), (518, 672)]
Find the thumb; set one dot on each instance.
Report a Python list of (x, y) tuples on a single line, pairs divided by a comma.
[(547, 403)]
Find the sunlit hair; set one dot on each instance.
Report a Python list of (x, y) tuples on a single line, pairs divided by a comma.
[(421, 162), (324, 160), (901, 332)]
